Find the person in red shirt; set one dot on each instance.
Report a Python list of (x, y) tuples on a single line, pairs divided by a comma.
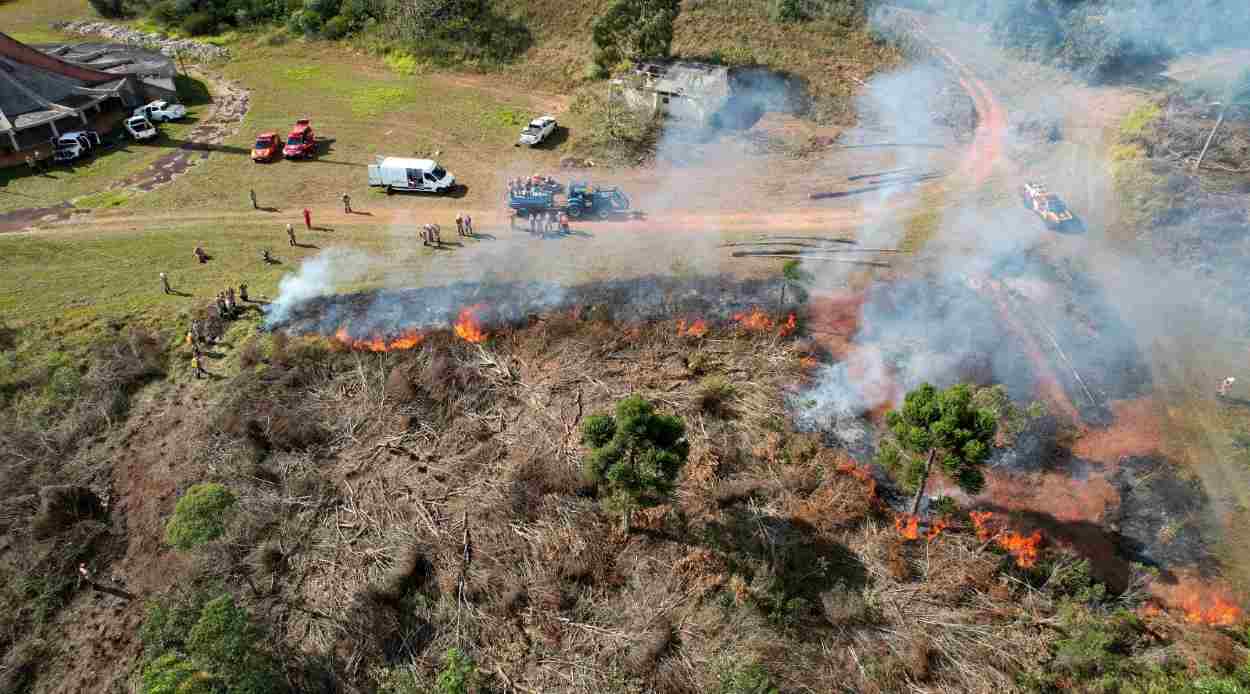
[(307, 218)]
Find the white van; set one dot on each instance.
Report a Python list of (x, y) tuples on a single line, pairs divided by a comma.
[(422, 175)]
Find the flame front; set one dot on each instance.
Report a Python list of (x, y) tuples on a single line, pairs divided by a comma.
[(698, 328), (907, 525), (980, 521), (755, 321), (935, 529), (467, 326), (407, 339), (791, 324), (1023, 548)]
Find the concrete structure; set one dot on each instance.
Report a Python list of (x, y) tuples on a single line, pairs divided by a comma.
[(43, 94), (692, 92)]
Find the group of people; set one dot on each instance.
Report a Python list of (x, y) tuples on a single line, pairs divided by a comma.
[(533, 185), (227, 307), (432, 234), (542, 223)]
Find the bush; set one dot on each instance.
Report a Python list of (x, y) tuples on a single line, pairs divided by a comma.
[(173, 674), (226, 639), (459, 674), (199, 24), (111, 9), (748, 678), (336, 28), (715, 394), (200, 516)]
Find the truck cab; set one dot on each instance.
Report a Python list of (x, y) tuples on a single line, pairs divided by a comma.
[(415, 175), (301, 142)]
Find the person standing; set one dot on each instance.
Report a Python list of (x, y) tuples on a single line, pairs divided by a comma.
[(347, 204), (252, 194), (197, 365), (468, 225), (307, 220), (1225, 386), (243, 292), (165, 284), (460, 224), (290, 234)]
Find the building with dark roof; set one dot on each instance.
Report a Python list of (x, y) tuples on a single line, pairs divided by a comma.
[(66, 88)]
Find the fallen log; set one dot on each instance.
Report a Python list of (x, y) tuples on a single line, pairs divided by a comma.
[(811, 238), (891, 172), (826, 259), (800, 253), (868, 189)]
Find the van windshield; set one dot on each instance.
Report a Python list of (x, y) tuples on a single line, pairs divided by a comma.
[(438, 173)]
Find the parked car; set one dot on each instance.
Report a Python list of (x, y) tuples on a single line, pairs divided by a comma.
[(140, 128), (300, 143), (419, 175), (267, 148), (70, 148), (538, 130), (162, 111), (90, 138)]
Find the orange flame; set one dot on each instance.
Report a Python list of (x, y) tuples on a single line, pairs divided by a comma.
[(1220, 612), (755, 321), (696, 329), (907, 525), (935, 529), (791, 324), (407, 339), (467, 326), (1024, 549), (980, 521), (861, 473)]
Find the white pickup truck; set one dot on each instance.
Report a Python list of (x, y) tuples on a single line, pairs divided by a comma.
[(538, 130), (161, 111), (140, 128)]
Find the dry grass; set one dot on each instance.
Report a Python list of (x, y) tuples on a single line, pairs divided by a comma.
[(444, 507)]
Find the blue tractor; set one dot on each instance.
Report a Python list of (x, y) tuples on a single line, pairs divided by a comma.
[(593, 201), (582, 200)]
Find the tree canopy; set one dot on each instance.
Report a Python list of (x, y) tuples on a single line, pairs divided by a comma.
[(634, 30), (635, 455), (944, 426)]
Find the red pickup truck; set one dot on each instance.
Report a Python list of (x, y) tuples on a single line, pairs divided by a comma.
[(301, 143)]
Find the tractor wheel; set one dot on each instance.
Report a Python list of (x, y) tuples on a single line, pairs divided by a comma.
[(603, 215), (390, 190), (575, 212)]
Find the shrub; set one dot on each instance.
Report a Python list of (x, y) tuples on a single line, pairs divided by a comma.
[(225, 638), (746, 678), (633, 30), (336, 28), (200, 516), (715, 394), (199, 24), (174, 674), (459, 674), (112, 9)]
